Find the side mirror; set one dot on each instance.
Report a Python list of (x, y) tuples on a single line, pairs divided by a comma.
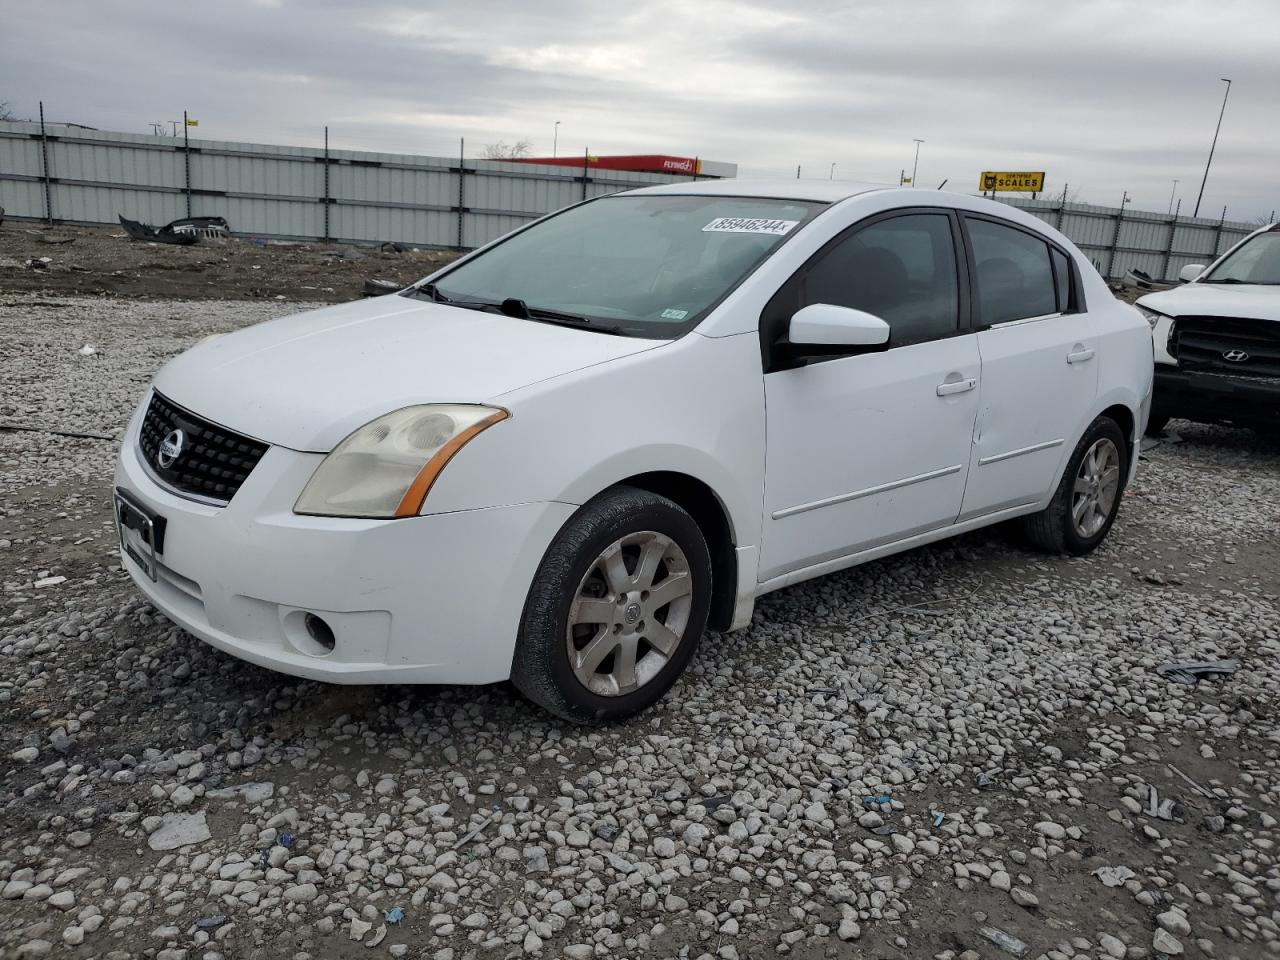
[(826, 325), (1190, 272)]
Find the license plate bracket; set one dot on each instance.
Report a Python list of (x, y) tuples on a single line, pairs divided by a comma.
[(141, 533)]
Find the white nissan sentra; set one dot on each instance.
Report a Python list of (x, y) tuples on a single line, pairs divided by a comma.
[(560, 459)]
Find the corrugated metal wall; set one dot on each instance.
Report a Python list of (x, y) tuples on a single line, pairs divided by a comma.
[(1118, 241), (281, 192), (278, 191)]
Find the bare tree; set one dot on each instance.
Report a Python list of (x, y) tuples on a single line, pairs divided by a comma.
[(5, 112), (505, 151), (1263, 220)]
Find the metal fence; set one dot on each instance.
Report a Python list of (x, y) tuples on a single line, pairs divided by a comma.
[(1118, 240), (74, 175)]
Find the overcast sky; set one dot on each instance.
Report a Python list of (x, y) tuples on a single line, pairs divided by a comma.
[(1106, 96)]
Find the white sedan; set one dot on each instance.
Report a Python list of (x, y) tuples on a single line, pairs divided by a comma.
[(561, 458)]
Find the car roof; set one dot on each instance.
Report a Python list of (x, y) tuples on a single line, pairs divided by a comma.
[(826, 191)]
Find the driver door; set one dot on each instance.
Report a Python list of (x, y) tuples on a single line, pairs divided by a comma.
[(868, 449)]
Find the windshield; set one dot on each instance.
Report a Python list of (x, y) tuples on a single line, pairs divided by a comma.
[(644, 266), (1257, 261)]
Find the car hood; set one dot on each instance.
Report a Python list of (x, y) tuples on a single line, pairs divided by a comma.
[(308, 380), (1258, 301)]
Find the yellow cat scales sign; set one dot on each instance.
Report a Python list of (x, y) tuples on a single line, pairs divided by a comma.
[(1022, 182)]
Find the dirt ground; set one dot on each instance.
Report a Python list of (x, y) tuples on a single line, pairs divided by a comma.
[(103, 261)]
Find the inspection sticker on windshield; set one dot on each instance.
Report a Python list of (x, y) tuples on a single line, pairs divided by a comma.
[(749, 225), (674, 314)]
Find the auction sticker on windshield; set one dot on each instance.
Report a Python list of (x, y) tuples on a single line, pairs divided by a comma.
[(749, 225)]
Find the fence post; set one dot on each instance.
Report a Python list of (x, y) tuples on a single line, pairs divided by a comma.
[(44, 169), (462, 186), (1168, 253), (186, 156), (1217, 234), (695, 169), (325, 201), (1115, 238), (586, 170), (1062, 208)]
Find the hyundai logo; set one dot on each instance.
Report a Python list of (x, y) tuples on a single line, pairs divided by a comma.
[(1235, 356), (170, 449)]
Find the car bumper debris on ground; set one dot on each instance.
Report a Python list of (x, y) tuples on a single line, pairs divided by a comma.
[(931, 758)]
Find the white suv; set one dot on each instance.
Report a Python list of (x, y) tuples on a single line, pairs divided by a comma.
[(560, 458), (1217, 338)]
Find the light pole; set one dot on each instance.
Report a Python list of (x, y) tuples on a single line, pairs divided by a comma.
[(1171, 195), (555, 138), (1213, 145), (916, 166), (833, 172)]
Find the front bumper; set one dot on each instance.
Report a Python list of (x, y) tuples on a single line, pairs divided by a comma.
[(430, 599), (1215, 398)]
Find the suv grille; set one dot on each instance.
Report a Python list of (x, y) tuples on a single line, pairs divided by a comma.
[(1205, 343), (213, 461)]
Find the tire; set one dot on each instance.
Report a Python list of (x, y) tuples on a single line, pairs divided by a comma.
[(629, 524), (1156, 423), (1055, 528)]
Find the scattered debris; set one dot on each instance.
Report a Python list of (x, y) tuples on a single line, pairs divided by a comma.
[(380, 288), (286, 840), (1136, 279), (49, 582), (378, 936), (1194, 786), (1006, 942), (46, 238), (939, 819), (38, 263), (392, 246), (359, 928), (870, 801), (182, 232), (470, 835), (394, 915), (1191, 672), (1114, 876), (87, 350), (179, 830), (80, 434)]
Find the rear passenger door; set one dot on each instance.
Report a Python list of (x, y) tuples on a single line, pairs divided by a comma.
[(1039, 364)]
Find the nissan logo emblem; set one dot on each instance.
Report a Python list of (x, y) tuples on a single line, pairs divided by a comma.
[(1235, 356), (170, 449)]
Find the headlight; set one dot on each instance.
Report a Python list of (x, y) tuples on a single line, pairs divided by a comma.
[(387, 467), (1152, 317)]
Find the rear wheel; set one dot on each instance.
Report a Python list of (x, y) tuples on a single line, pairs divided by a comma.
[(1087, 500), (616, 609)]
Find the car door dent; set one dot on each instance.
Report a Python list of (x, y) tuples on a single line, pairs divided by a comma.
[(869, 491), (1009, 455)]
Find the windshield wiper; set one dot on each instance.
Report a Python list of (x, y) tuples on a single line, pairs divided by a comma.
[(1251, 283), (429, 291), (514, 307)]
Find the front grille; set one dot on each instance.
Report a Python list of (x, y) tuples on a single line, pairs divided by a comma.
[(213, 462), (1203, 344)]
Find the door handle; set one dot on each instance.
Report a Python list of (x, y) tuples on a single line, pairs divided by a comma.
[(956, 386), (1080, 356)]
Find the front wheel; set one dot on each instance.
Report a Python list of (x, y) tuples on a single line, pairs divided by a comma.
[(616, 609), (1087, 500)]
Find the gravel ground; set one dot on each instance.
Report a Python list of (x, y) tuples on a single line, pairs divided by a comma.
[(962, 752)]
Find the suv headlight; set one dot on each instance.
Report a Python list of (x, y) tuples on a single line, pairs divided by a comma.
[(1152, 317), (386, 468)]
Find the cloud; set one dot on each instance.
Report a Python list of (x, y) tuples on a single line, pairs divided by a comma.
[(1108, 96)]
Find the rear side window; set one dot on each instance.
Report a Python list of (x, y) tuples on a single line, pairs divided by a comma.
[(902, 269), (1015, 279)]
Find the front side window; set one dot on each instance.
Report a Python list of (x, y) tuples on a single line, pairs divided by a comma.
[(1014, 277), (1256, 261), (902, 270), (645, 266)]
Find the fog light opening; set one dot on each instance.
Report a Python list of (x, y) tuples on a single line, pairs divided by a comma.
[(320, 632)]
